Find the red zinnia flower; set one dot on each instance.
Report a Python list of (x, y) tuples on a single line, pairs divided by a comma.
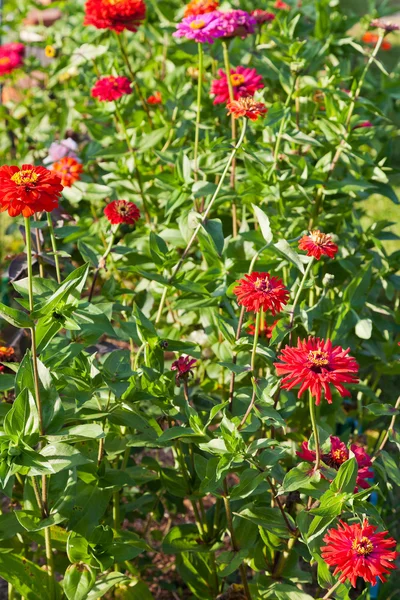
[(282, 5), (122, 211), (317, 243), (200, 7), (357, 551), (338, 454), (261, 291), (246, 107), (115, 14), (68, 169), (6, 353), (156, 98), (111, 88), (28, 190), (245, 82), (183, 367), (262, 16), (372, 38), (266, 332), (315, 364)]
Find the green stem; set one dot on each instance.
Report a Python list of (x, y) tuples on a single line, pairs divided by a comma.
[(330, 592), (228, 70), (198, 113), (300, 289), (233, 130), (162, 302), (255, 340), (116, 518), (315, 431), (54, 247), (283, 123), (103, 261)]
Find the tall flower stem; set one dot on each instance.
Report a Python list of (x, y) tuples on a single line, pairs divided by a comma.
[(103, 261), (315, 431), (133, 75), (233, 130), (207, 212), (255, 340), (43, 505), (235, 545), (298, 293), (54, 247), (333, 589), (283, 123), (198, 111), (321, 191), (39, 248), (389, 429)]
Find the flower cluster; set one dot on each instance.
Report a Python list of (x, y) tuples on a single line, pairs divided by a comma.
[(116, 15), (358, 551), (338, 454), (317, 244), (69, 170), (316, 365), (111, 88), (244, 81), (11, 57), (122, 211), (28, 190), (261, 291)]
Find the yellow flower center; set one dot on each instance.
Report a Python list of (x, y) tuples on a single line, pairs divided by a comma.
[(197, 24), (318, 358), (318, 237), (237, 79), (339, 456), (4, 60), (363, 546), (25, 177)]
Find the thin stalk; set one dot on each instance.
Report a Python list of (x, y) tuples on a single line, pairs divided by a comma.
[(335, 160), (162, 302), (133, 76), (315, 431), (249, 408), (235, 545), (207, 212), (116, 518), (43, 504), (283, 123), (300, 289), (255, 341), (233, 130), (198, 113), (102, 262), (283, 558), (333, 589), (39, 249), (54, 247), (389, 429)]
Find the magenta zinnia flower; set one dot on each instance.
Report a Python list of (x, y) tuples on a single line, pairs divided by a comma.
[(245, 82), (357, 551), (261, 291), (237, 23), (201, 28), (183, 367), (338, 454), (316, 364)]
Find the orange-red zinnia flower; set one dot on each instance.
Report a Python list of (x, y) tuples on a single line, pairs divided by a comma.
[(122, 211), (246, 107), (266, 331), (115, 14), (316, 364), (156, 98), (28, 190), (372, 38), (282, 5), (317, 243), (200, 7), (358, 551), (6, 353), (68, 169), (261, 291), (111, 88)]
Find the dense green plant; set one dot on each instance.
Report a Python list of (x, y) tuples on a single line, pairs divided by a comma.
[(113, 467)]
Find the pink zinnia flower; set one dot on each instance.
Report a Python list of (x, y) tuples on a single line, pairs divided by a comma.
[(59, 150), (11, 57), (261, 291), (111, 88), (183, 367), (201, 28), (317, 243), (245, 82), (338, 454), (358, 551), (316, 364), (237, 23)]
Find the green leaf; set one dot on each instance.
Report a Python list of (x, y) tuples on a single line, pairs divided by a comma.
[(105, 583), (391, 468), (345, 480), (183, 538), (364, 329), (264, 223), (250, 479), (301, 477), (61, 456), (28, 579), (269, 518), (78, 581), (15, 317), (22, 421), (331, 504), (73, 284), (283, 248)]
